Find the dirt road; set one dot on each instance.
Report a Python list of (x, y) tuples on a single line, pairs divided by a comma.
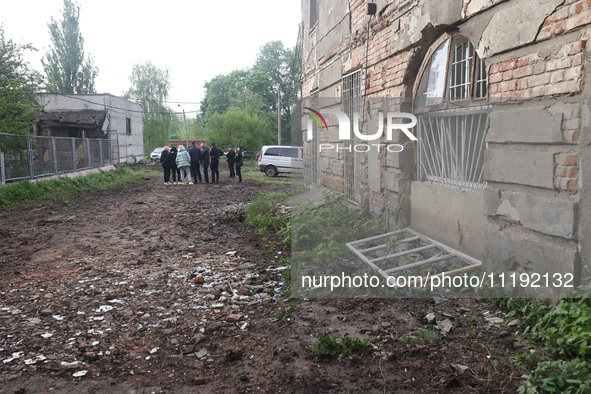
[(153, 288)]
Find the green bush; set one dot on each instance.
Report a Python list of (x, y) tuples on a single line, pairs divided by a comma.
[(564, 328), (341, 348)]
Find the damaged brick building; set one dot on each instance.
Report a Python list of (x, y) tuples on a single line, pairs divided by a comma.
[(500, 169)]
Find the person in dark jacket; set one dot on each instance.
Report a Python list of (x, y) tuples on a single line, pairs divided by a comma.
[(215, 153), (239, 163), (230, 156), (205, 162), (165, 165), (195, 154), (176, 174)]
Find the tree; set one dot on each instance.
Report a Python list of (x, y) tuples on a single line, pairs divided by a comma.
[(247, 89), (67, 69), (237, 127), (149, 87), (18, 89), (283, 68)]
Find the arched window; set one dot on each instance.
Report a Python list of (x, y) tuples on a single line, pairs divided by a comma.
[(452, 112), (453, 72)]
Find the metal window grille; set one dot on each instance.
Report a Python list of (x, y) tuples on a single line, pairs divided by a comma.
[(480, 79), (460, 72), (351, 103), (450, 148), (314, 168)]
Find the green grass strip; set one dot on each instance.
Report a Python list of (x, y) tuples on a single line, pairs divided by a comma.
[(28, 192)]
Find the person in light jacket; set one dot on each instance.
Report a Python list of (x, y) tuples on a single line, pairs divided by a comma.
[(183, 162)]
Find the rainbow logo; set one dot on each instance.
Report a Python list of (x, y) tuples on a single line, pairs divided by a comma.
[(316, 118)]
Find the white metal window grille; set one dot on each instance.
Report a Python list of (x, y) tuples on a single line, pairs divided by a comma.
[(460, 69), (351, 101), (453, 72), (451, 147), (314, 158), (480, 79)]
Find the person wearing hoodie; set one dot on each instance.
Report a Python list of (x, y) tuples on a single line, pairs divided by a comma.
[(183, 162), (172, 164), (165, 165)]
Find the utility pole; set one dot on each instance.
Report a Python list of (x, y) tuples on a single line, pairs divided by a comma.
[(279, 116), (185, 119)]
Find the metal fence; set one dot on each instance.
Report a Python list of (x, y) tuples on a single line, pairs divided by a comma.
[(30, 157)]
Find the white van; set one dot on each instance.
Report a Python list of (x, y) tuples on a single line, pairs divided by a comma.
[(275, 159)]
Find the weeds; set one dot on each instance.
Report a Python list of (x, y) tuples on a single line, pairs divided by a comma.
[(319, 233), (28, 192), (341, 348), (405, 340), (428, 335), (564, 328), (283, 312), (261, 213)]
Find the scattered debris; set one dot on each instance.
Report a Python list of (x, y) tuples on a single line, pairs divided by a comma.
[(445, 326)]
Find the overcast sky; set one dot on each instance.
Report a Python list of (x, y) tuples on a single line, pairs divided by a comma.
[(195, 40)]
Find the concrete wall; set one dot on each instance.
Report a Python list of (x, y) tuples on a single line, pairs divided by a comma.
[(456, 219), (131, 146)]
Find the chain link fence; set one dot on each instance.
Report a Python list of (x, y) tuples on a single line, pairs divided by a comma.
[(30, 157)]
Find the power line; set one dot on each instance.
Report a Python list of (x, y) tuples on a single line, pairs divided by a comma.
[(126, 109)]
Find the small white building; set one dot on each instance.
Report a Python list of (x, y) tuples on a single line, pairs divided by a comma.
[(95, 116)]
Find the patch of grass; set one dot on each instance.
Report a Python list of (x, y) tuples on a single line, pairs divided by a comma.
[(405, 339), (283, 312), (428, 335), (341, 348), (320, 233), (262, 213), (67, 220), (251, 171), (564, 329), (28, 192)]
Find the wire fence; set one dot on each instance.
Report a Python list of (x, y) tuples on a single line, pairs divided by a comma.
[(29, 157)]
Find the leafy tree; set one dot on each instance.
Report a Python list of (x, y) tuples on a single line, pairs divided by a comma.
[(238, 127), (283, 68), (254, 91), (67, 69), (18, 89), (247, 89), (149, 87)]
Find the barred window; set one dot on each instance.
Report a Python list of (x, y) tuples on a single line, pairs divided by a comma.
[(351, 104), (452, 140), (453, 72)]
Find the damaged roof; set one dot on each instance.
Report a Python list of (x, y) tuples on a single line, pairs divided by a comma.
[(85, 117)]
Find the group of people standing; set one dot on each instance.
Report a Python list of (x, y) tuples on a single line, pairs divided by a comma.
[(185, 164)]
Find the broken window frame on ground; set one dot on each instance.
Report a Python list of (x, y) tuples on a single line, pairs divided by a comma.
[(361, 252)]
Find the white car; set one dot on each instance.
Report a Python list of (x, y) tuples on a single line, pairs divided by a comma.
[(156, 153), (274, 159)]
